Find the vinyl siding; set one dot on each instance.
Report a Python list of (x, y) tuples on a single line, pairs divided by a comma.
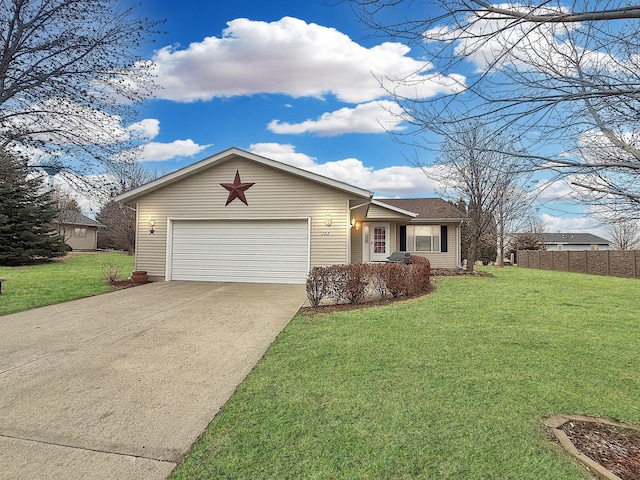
[(276, 194), (376, 212), (88, 242), (356, 245), (444, 259)]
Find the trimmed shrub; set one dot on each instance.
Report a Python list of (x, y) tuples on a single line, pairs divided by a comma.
[(349, 283), (394, 275), (378, 282), (317, 285), (418, 277)]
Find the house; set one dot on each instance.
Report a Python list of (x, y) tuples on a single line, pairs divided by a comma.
[(237, 216), (573, 241), (79, 232)]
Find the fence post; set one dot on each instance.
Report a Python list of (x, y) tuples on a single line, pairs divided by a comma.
[(586, 262)]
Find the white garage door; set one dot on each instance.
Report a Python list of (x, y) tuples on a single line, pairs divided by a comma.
[(260, 251)]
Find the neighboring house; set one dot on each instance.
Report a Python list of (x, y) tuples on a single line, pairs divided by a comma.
[(79, 232), (573, 241), (237, 216)]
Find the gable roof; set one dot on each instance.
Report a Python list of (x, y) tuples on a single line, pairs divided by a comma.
[(574, 238), (426, 208), (71, 217), (229, 154)]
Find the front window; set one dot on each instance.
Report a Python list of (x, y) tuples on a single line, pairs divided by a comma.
[(426, 238)]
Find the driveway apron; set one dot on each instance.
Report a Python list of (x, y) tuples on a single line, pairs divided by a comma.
[(120, 385)]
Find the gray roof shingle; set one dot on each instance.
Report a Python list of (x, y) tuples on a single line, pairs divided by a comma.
[(576, 238), (426, 208), (71, 217)]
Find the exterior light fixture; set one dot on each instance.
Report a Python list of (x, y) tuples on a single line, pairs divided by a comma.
[(152, 223), (327, 220), (353, 222)]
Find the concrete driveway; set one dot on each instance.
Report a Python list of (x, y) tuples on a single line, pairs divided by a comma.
[(120, 385)]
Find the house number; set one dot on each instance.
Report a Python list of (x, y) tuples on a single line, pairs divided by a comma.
[(324, 234)]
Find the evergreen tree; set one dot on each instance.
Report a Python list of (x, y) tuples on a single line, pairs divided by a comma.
[(26, 213)]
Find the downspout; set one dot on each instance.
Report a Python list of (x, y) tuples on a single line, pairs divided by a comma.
[(458, 245)]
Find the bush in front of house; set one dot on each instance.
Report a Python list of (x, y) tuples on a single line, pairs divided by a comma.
[(348, 283), (418, 277), (353, 283)]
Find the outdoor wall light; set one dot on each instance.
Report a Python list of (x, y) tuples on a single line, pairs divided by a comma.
[(152, 223), (355, 223), (327, 220)]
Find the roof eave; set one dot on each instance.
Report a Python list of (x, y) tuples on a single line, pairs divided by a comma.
[(447, 220)]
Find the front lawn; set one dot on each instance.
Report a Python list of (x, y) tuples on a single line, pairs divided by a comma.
[(75, 276), (453, 385)]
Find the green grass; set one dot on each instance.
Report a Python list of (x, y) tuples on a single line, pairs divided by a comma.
[(454, 385), (77, 275)]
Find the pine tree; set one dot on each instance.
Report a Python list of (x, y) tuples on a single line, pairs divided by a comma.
[(26, 233)]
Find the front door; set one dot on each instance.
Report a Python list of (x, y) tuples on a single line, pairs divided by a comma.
[(376, 242)]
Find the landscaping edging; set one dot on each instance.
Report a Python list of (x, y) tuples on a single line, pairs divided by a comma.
[(556, 422)]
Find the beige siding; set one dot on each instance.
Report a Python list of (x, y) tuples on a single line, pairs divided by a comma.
[(376, 212), (82, 237), (276, 194), (356, 245), (447, 259)]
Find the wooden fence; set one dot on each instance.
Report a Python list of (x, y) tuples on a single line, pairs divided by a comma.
[(616, 263)]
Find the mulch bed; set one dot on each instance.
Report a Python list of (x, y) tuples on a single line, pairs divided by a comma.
[(615, 448), (122, 284)]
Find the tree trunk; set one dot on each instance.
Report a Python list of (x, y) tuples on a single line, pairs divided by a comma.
[(472, 253)]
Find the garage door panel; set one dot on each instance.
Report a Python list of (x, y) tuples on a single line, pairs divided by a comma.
[(273, 251)]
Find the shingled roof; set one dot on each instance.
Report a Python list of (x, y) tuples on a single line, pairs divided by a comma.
[(574, 238), (71, 217), (426, 208)]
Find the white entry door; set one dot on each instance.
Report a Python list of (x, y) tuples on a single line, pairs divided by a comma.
[(376, 242)]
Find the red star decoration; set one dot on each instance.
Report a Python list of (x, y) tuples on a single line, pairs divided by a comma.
[(237, 189)]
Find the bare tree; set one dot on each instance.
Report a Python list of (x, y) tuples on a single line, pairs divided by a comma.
[(67, 210), (624, 235), (512, 214), (70, 75), (476, 170), (564, 79), (118, 218)]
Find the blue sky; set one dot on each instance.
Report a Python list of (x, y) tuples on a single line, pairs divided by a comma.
[(296, 81)]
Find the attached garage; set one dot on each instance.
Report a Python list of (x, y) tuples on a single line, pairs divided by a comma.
[(254, 251), (240, 217)]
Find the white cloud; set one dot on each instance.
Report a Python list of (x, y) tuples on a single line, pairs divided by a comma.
[(146, 129), (156, 151), (554, 190), (395, 181), (284, 153), (294, 58), (373, 117), (567, 224), (494, 41)]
